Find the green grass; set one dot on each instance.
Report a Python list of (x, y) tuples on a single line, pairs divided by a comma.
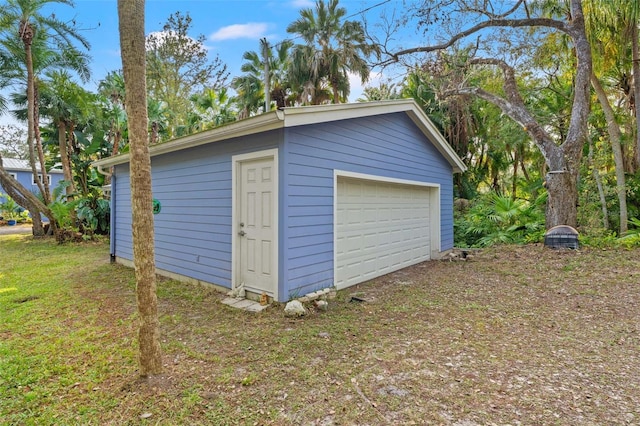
[(53, 346), (441, 343)]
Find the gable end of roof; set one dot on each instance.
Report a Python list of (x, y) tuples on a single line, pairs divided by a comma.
[(300, 116)]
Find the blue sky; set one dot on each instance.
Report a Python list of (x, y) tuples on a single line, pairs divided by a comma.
[(230, 27)]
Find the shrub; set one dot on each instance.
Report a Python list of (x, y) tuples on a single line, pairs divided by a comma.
[(494, 219)]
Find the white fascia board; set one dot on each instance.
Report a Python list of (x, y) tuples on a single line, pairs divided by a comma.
[(257, 124), (314, 114), (300, 116)]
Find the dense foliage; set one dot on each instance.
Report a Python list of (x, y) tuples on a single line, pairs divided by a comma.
[(502, 196)]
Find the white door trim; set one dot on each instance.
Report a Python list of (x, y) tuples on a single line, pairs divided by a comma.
[(434, 206), (236, 161)]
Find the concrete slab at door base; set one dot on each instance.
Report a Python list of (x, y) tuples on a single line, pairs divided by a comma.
[(244, 304)]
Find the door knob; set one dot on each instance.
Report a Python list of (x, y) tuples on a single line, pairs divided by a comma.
[(242, 233)]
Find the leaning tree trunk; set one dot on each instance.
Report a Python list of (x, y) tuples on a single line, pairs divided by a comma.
[(615, 136), (26, 199), (563, 160), (132, 45)]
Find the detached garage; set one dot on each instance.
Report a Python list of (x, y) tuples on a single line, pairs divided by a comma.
[(296, 200)]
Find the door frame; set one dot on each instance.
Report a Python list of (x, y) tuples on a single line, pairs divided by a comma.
[(236, 168), (434, 209)]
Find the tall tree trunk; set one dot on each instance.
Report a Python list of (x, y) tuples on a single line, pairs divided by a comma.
[(598, 179), (267, 74), (562, 206), (563, 160), (26, 34), (132, 45), (514, 182), (635, 55), (64, 158), (615, 136), (38, 141), (629, 150)]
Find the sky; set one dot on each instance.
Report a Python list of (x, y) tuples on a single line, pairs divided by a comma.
[(230, 27)]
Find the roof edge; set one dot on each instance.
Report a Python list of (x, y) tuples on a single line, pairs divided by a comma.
[(421, 119), (261, 123), (298, 116)]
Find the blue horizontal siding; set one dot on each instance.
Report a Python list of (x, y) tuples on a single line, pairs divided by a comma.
[(310, 243), (310, 210), (389, 146), (194, 186), (193, 228), (309, 201)]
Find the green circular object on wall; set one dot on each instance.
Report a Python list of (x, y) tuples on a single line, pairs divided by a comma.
[(156, 206)]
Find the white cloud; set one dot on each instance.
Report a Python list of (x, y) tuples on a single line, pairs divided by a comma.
[(302, 4), (251, 30)]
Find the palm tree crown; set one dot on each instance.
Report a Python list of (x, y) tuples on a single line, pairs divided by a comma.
[(333, 48)]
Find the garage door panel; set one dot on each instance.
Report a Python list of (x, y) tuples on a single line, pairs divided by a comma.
[(380, 228)]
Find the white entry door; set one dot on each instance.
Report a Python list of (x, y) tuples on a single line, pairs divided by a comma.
[(256, 227)]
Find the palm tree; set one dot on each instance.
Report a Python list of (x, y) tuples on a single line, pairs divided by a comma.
[(384, 91), (614, 24), (48, 40), (111, 94), (279, 64), (159, 117), (65, 103), (250, 86), (8, 66), (249, 95), (112, 89), (212, 108), (334, 47), (307, 88), (132, 44)]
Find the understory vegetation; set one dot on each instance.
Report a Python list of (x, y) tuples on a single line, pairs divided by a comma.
[(492, 219)]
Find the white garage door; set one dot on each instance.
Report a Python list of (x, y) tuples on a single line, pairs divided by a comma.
[(380, 227)]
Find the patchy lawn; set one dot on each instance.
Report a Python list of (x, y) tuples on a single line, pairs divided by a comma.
[(517, 335)]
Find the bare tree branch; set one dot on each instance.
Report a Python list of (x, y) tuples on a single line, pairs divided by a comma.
[(518, 112), (503, 23), (501, 16)]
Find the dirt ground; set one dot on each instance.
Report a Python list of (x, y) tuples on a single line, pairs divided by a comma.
[(513, 335)]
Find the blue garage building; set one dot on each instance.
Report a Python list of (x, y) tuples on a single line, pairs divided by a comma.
[(296, 200)]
